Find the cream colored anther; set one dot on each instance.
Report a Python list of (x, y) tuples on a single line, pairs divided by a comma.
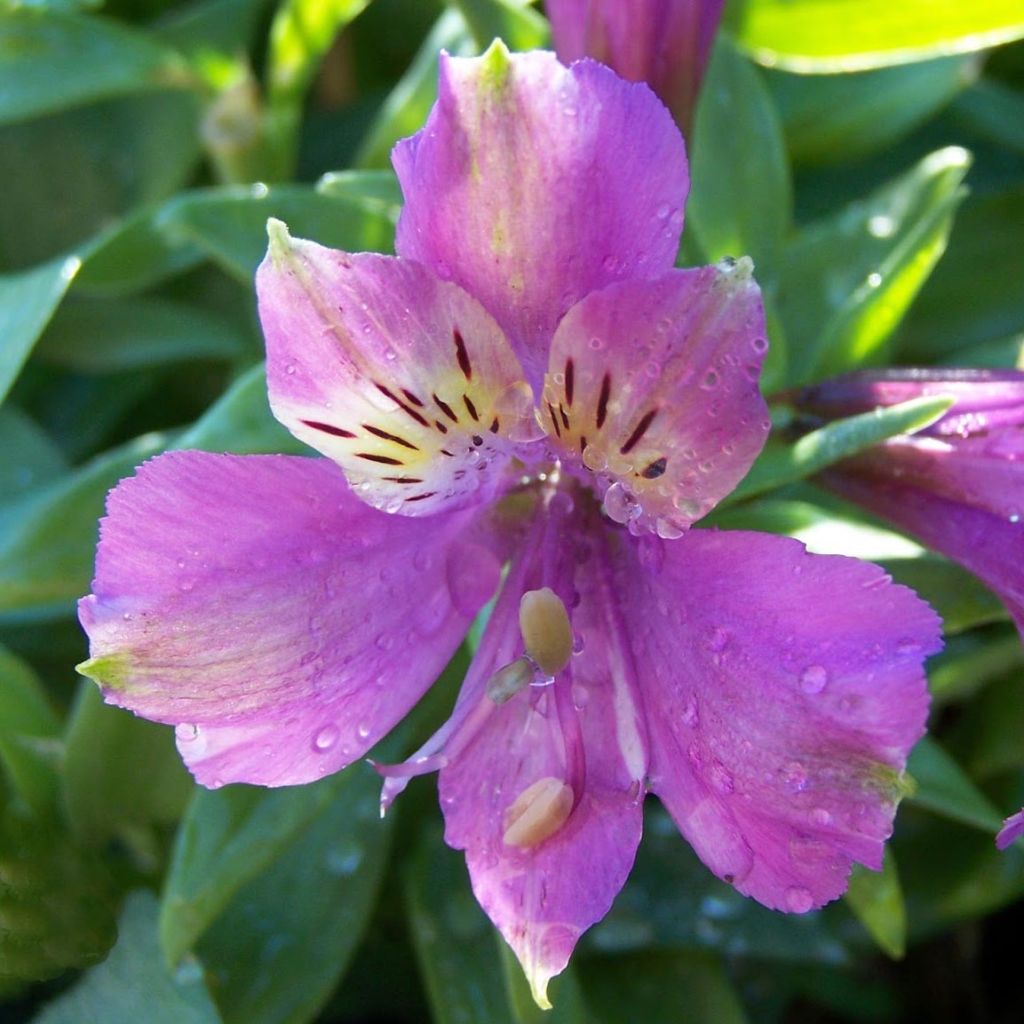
[(537, 813), (547, 634)]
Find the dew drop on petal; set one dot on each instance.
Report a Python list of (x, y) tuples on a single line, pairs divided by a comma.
[(820, 816), (619, 505), (667, 530), (813, 679), (799, 900), (325, 738)]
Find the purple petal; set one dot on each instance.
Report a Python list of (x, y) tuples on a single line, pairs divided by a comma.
[(533, 184), (665, 43), (783, 692), (653, 386), (282, 624), (575, 746), (985, 400), (981, 527), (1013, 828), (403, 380)]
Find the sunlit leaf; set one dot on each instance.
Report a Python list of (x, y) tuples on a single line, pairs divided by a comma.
[(944, 788), (875, 897), (514, 21), (850, 35)]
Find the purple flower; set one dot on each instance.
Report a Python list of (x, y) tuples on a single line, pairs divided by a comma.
[(529, 384), (665, 43), (1013, 828), (958, 485)]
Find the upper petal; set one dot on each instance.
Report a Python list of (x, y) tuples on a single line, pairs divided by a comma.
[(1013, 829), (665, 43), (284, 625), (783, 692), (402, 379), (653, 386), (533, 184)]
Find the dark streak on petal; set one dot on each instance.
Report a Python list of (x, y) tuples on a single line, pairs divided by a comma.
[(570, 382), (554, 420), (444, 451), (412, 398), (327, 428), (583, 444), (385, 436), (420, 497), (470, 408), (493, 428), (401, 405), (564, 415), (440, 426), (602, 400), (655, 469), (641, 429), (462, 355), (446, 409), (384, 460), (402, 479)]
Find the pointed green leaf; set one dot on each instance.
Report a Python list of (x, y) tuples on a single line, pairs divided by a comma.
[(119, 770), (851, 35), (876, 898), (781, 464), (29, 746), (971, 661), (27, 301), (284, 940), (97, 59), (848, 280), (741, 197), (134, 981), (945, 788), (406, 108)]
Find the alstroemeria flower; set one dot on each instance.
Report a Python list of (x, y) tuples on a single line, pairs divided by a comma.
[(1012, 830), (958, 485), (665, 43), (529, 384)]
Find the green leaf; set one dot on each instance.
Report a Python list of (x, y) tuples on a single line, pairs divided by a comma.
[(96, 59), (971, 661), (28, 456), (741, 197), (230, 223), (134, 980), (240, 421), (852, 35), (975, 294), (27, 301), (28, 734), (995, 111), (48, 537), (649, 986), (459, 963), (279, 948), (513, 21), (781, 464), (227, 838), (119, 770), (368, 187), (406, 108), (829, 119), (848, 280), (988, 733), (672, 900), (876, 898), (945, 788), (93, 336)]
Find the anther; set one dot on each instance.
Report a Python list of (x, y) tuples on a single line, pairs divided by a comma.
[(547, 632), (537, 813), (508, 681)]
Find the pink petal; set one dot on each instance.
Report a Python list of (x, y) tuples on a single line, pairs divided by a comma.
[(403, 380), (533, 184), (283, 625), (653, 385), (1013, 829), (665, 43), (784, 692), (580, 737)]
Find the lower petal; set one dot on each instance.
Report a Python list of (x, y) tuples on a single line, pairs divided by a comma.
[(784, 692), (282, 625)]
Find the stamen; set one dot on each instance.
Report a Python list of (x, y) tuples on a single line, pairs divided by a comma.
[(537, 813), (508, 681), (547, 632)]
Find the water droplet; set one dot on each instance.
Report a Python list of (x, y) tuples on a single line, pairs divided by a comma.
[(363, 731), (813, 679), (799, 900), (759, 344), (290, 369), (663, 211), (325, 738), (594, 459), (710, 380), (881, 226), (186, 732), (580, 696), (595, 344), (820, 816), (619, 505), (874, 280)]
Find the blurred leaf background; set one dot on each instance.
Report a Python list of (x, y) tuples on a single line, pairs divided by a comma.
[(869, 155)]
